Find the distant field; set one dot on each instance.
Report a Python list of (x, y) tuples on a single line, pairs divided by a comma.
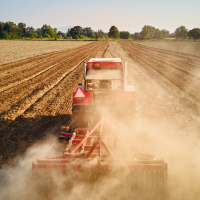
[(13, 50), (192, 48)]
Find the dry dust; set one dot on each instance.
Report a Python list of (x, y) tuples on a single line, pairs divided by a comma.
[(172, 127)]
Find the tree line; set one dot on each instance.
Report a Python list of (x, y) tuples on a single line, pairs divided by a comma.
[(79, 32), (149, 32), (10, 30), (182, 33)]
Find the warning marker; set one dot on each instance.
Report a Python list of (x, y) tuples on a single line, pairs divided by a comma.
[(79, 93)]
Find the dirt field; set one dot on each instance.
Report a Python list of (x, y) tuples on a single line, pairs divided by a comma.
[(36, 99), (168, 109), (36, 95), (14, 50), (155, 72), (182, 47)]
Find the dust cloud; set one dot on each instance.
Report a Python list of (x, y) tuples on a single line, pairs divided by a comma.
[(16, 181), (172, 126), (181, 154)]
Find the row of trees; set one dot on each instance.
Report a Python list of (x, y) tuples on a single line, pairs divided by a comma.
[(149, 32), (125, 35), (182, 32), (10, 30), (77, 32)]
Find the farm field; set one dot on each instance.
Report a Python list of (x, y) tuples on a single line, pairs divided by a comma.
[(168, 111), (36, 100), (36, 95), (169, 82), (182, 47), (180, 69), (15, 50)]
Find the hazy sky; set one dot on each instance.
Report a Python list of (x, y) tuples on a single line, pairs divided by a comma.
[(127, 15)]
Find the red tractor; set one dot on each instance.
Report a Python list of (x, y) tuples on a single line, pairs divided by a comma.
[(105, 92), (104, 109)]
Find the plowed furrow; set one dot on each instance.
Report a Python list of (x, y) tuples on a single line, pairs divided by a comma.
[(193, 70), (60, 97), (28, 88), (183, 56), (13, 83), (183, 81), (59, 94), (38, 59), (46, 114), (16, 75), (41, 89)]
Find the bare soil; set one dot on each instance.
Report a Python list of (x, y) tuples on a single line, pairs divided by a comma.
[(36, 96), (36, 100), (16, 50), (186, 47), (168, 110)]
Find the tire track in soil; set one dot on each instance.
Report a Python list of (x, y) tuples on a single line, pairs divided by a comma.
[(33, 85), (58, 106), (179, 79), (33, 76), (172, 53), (18, 76), (159, 101), (13, 103), (170, 62), (9, 66), (190, 63), (37, 121), (78, 72)]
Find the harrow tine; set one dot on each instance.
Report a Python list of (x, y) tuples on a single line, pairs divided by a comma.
[(90, 133)]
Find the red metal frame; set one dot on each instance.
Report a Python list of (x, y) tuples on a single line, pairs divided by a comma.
[(87, 152)]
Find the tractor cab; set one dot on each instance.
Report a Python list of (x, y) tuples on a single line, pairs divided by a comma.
[(105, 90), (104, 74)]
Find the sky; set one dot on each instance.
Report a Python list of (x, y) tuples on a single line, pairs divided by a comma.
[(126, 15)]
